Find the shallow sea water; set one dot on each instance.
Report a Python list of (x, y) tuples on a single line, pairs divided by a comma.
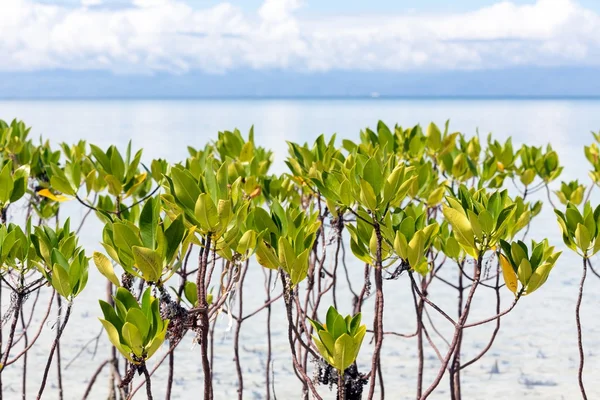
[(535, 352)]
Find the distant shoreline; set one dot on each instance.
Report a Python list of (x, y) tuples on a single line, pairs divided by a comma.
[(304, 98)]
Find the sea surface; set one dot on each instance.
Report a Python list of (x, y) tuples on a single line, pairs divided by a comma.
[(535, 354)]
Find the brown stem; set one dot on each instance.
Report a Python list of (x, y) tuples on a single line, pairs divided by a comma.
[(458, 328), (26, 339), (265, 306), (58, 358), (429, 302), (268, 360), (579, 335), (365, 289), (170, 377), (288, 305), (378, 321), (53, 349), (419, 305), (204, 321), (455, 365), (148, 382), (90, 385), (341, 395), (236, 337), (496, 328), (158, 364), (37, 335), (11, 332)]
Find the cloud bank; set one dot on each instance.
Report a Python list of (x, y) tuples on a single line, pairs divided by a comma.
[(146, 36)]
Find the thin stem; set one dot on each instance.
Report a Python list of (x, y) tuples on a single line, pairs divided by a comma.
[(170, 377), (204, 321), (378, 321), (148, 382), (268, 360), (11, 332), (429, 302), (341, 386), (53, 349), (238, 328), (579, 335), (459, 326), (58, 358), (90, 385), (288, 305), (496, 328)]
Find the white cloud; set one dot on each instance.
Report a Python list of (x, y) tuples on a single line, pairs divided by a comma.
[(153, 35), (89, 3)]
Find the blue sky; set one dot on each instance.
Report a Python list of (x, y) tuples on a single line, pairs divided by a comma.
[(351, 6), (304, 37)]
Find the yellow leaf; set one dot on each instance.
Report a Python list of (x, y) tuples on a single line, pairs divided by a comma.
[(59, 198), (510, 277)]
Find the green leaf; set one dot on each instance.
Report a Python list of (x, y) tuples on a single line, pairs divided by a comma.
[(539, 277), (133, 338), (247, 152), (206, 213), (223, 181), (486, 221), (401, 246), (247, 242), (126, 298), (117, 166), (461, 227), (225, 214), (6, 183), (338, 328), (582, 236), (358, 338), (367, 195), (115, 187), (185, 187), (436, 196), (158, 340), (174, 235), (300, 267), (266, 256), (327, 341), (343, 356), (517, 253), (331, 316), (149, 222), (136, 317), (524, 271), (61, 184), (475, 226), (106, 268), (373, 175), (190, 290), (60, 281), (19, 189), (210, 181), (322, 349), (149, 262), (101, 157), (110, 315), (113, 336), (415, 249), (355, 324), (125, 237), (286, 254)]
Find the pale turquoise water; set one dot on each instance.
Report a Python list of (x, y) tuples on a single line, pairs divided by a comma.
[(537, 341)]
